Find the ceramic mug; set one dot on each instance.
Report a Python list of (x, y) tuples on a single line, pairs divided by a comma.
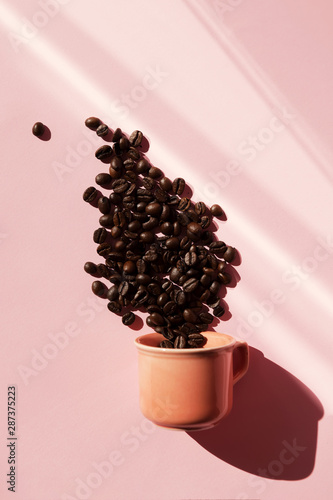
[(189, 389)]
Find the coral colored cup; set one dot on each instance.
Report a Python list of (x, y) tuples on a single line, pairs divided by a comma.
[(189, 389)]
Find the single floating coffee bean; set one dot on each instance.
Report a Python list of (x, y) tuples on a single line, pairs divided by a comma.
[(216, 210), (99, 288), (90, 268), (92, 122), (90, 194), (102, 130), (128, 318), (103, 179), (38, 129), (200, 208)]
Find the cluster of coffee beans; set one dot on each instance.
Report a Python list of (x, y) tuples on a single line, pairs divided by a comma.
[(159, 253)]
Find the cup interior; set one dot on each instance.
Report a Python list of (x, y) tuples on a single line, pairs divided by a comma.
[(215, 340)]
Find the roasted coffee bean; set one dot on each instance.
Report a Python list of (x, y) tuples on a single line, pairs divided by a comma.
[(183, 219), (180, 297), (170, 308), (175, 275), (172, 243), (99, 288), (166, 184), (103, 271), (204, 222), (116, 164), (185, 243), (148, 183), (180, 342), (157, 319), (90, 194), (204, 297), (103, 179), (216, 210), (38, 129), (224, 278), (218, 311), (143, 279), (100, 235), (133, 153), (123, 288), (124, 144), (112, 293), (142, 166), (229, 254), (196, 340), (114, 306), (193, 216), (135, 138), (150, 256), (214, 287), (161, 195), (130, 234), (102, 130), (168, 333), (167, 228), (115, 198), (90, 268), (103, 152), (178, 185), (92, 122), (205, 280), (154, 289), (206, 317), (191, 258), (184, 204), (104, 249), (106, 220), (104, 205), (117, 135), (194, 231), (120, 185), (119, 219), (114, 174), (129, 267), (154, 173), (116, 231), (166, 344), (200, 208), (154, 209), (167, 286), (162, 299), (141, 266), (190, 285), (190, 316), (128, 318), (147, 237), (218, 247)]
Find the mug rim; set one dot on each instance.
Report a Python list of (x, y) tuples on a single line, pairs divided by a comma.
[(189, 350)]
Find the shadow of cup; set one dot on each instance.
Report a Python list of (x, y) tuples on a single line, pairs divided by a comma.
[(272, 428)]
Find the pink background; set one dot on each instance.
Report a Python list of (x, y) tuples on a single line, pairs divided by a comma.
[(239, 102)]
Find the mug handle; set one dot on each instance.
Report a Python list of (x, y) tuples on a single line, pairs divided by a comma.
[(243, 348)]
